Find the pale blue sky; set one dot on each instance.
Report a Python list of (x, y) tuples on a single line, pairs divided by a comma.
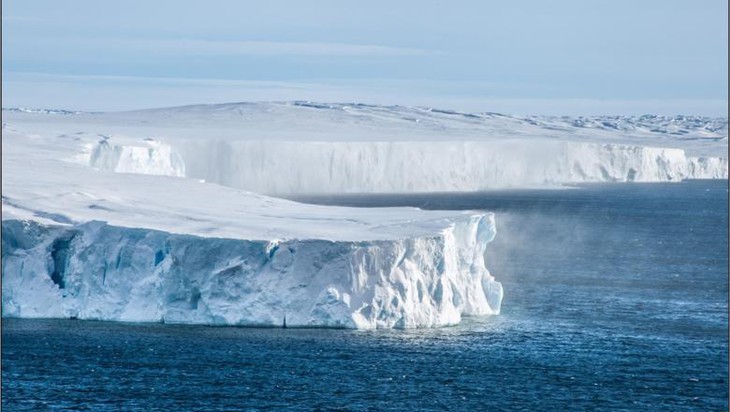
[(562, 57)]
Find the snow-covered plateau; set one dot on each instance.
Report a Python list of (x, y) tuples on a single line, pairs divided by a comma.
[(155, 215)]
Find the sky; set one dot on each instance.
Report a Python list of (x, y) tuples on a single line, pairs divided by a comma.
[(571, 57)]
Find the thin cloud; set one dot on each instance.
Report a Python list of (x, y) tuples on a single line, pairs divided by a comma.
[(24, 19), (189, 47)]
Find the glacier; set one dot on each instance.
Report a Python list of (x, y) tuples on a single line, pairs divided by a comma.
[(98, 271), (291, 148), (441, 166), (165, 215), (80, 241)]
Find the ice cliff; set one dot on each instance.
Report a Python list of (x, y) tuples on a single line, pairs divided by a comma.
[(83, 237), (152, 158), (97, 271), (299, 147), (418, 166), (153, 216)]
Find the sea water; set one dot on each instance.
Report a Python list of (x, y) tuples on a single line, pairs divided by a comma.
[(616, 298)]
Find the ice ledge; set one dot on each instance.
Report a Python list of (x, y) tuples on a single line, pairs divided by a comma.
[(97, 271), (295, 167), (150, 158)]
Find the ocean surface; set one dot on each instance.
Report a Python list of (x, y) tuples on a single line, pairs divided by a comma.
[(616, 298)]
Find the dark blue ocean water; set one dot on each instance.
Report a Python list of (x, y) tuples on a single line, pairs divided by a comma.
[(616, 298)]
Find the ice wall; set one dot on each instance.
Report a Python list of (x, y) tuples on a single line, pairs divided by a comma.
[(708, 168), (182, 250), (98, 271), (412, 166), (147, 157)]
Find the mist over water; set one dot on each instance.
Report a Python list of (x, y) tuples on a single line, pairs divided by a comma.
[(634, 275), (616, 298)]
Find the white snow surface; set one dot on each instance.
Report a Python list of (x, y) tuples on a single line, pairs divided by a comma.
[(290, 148), (84, 238), (150, 215)]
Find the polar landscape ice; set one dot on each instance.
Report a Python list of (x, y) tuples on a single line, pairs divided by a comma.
[(166, 214), (299, 147)]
